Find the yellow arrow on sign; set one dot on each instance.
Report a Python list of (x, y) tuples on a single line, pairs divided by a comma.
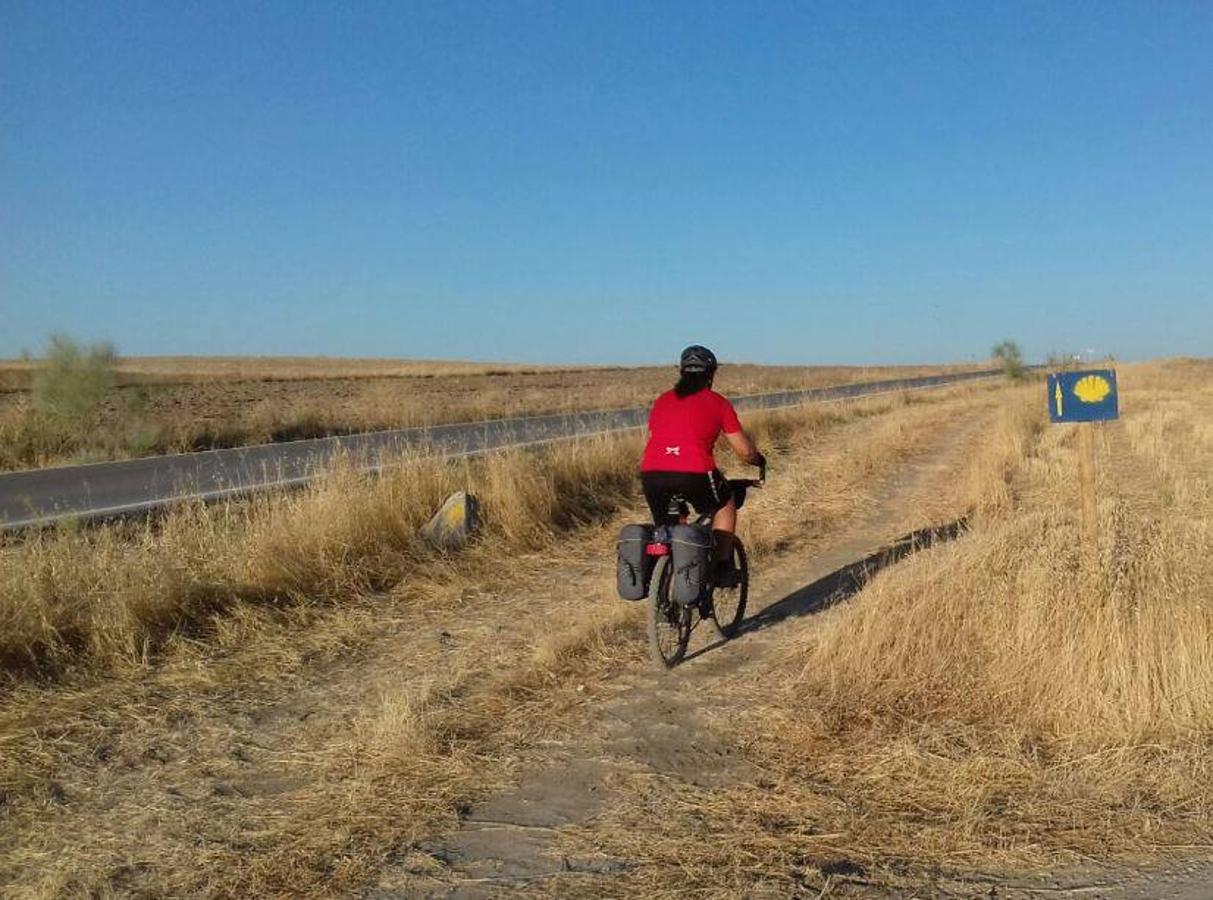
[(1057, 394)]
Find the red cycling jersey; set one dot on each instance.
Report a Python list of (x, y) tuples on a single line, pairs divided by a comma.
[(683, 430)]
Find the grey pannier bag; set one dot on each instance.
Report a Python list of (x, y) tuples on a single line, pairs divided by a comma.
[(633, 566), (691, 557)]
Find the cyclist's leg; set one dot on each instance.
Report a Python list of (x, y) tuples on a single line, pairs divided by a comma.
[(724, 526), (724, 516)]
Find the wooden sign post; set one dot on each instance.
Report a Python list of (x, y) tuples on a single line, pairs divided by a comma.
[(1085, 398), (1087, 493)]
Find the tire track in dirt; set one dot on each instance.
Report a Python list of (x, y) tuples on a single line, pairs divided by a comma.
[(657, 722)]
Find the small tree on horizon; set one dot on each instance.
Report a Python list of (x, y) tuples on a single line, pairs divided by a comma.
[(1008, 353)]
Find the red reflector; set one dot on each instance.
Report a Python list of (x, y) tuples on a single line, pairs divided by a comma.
[(657, 550)]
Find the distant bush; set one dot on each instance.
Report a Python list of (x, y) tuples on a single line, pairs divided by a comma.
[(1008, 353), (73, 382)]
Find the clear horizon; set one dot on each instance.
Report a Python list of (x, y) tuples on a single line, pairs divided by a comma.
[(605, 183)]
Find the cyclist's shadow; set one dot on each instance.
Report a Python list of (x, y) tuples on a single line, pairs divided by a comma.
[(841, 583)]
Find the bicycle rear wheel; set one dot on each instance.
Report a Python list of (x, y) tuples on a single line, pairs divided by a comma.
[(728, 604), (669, 622)]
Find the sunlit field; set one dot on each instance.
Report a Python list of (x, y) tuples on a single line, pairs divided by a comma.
[(297, 695)]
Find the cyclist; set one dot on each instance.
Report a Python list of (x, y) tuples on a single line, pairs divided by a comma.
[(678, 458)]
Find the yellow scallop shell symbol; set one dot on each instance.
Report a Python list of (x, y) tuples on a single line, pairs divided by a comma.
[(1092, 389)]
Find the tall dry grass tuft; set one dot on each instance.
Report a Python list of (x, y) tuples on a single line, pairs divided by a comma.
[(986, 486), (110, 594), (1008, 628), (347, 533)]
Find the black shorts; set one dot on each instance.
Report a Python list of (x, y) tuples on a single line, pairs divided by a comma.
[(706, 491)]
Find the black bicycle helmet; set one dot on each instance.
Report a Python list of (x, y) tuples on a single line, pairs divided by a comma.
[(697, 359)]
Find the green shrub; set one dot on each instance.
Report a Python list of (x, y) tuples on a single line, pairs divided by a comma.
[(72, 383), (1008, 353)]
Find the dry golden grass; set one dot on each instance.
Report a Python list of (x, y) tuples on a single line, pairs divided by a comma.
[(110, 596), (123, 775), (987, 703)]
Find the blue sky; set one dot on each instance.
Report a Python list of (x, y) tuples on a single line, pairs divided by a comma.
[(607, 181)]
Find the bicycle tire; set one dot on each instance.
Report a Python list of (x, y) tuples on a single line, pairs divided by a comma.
[(734, 599), (669, 623)]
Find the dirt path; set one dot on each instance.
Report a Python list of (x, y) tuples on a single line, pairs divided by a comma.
[(657, 722)]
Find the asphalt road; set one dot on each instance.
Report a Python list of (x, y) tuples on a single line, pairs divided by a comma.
[(105, 490)]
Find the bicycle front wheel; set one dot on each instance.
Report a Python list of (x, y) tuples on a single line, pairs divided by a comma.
[(669, 622), (728, 604)]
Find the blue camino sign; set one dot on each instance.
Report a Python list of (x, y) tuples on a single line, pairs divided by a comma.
[(1089, 396)]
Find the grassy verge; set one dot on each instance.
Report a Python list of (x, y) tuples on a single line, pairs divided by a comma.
[(110, 597)]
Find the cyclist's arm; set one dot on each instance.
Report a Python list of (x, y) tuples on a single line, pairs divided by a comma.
[(743, 445)]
